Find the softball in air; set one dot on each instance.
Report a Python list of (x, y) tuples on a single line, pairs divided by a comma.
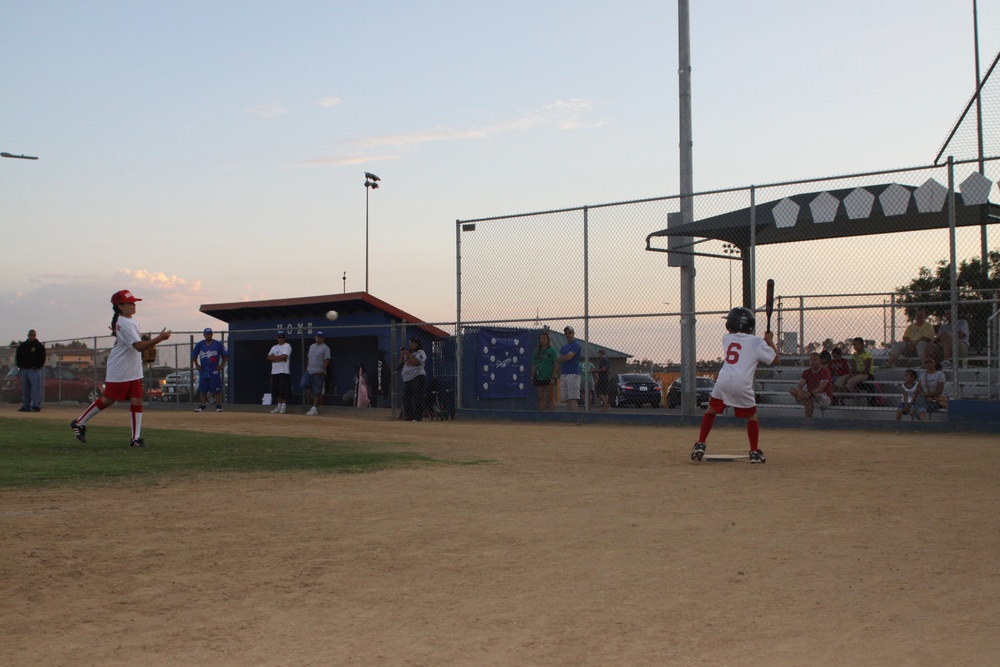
[(331, 315)]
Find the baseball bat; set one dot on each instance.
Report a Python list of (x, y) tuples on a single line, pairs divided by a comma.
[(770, 301)]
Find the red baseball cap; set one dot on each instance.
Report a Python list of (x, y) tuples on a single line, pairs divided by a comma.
[(124, 296)]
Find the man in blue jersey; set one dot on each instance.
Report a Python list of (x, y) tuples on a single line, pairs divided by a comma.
[(209, 358)]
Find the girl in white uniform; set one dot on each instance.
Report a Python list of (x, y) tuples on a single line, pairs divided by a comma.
[(124, 376), (742, 351)]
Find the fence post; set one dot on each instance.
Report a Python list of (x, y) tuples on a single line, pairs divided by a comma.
[(458, 322), (584, 386), (953, 295), (802, 326)]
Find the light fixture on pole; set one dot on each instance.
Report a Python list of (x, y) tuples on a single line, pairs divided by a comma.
[(371, 182), (19, 157), (731, 249)]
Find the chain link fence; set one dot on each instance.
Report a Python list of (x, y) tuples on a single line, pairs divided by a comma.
[(853, 256), (75, 368)]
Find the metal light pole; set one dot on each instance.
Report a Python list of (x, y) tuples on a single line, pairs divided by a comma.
[(371, 182), (731, 249), (19, 157)]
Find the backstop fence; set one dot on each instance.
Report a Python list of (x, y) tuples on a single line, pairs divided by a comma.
[(852, 256)]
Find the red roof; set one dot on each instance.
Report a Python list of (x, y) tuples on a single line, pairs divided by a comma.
[(304, 306)]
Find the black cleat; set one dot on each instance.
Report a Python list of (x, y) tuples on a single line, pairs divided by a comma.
[(757, 456), (138, 442), (698, 451), (79, 431)]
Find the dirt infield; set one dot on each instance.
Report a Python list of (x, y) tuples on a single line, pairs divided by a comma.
[(572, 545)]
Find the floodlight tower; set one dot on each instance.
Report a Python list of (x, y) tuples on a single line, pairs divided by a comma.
[(371, 182)]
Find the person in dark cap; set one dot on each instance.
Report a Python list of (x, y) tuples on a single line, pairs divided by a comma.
[(209, 357), (569, 360), (281, 378)]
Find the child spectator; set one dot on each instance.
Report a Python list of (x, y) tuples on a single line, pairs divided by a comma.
[(930, 394), (839, 366), (910, 389), (862, 368)]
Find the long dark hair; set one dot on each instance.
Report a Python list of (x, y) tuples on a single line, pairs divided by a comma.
[(547, 337), (114, 320), (417, 341)]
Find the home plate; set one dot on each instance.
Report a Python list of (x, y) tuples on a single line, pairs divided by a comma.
[(716, 458)]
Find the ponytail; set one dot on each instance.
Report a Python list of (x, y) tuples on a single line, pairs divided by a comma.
[(114, 321)]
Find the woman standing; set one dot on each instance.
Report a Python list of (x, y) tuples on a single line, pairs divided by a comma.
[(413, 361), (543, 366)]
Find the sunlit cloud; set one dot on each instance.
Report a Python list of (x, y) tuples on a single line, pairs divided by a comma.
[(65, 306), (329, 101), (268, 110), (249, 294), (160, 279), (568, 114)]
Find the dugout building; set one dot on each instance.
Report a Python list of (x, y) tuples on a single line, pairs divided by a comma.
[(368, 333)]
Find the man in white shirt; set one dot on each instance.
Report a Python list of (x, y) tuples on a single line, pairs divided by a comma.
[(946, 337), (281, 377)]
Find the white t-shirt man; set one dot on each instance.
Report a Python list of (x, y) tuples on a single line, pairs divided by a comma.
[(741, 354), (280, 367), (124, 361)]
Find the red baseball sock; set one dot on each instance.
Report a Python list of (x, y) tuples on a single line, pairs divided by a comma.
[(706, 426), (136, 421), (753, 432)]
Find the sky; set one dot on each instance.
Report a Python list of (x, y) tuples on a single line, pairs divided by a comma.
[(211, 152)]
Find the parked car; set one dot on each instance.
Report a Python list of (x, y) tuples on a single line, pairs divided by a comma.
[(152, 389), (60, 384), (635, 389), (704, 387), (180, 386)]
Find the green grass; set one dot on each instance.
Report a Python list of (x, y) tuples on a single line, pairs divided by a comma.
[(44, 453)]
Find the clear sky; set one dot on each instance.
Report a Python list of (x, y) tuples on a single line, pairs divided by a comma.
[(205, 152)]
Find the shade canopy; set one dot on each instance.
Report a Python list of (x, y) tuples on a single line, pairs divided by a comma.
[(874, 209)]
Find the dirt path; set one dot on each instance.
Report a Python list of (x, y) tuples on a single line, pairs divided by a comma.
[(573, 546)]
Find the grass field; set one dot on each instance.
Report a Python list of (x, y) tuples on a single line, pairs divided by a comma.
[(36, 453)]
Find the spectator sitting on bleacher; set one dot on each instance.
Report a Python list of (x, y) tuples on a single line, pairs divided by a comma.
[(910, 389), (839, 366), (862, 368), (930, 391), (944, 338), (915, 338), (815, 387)]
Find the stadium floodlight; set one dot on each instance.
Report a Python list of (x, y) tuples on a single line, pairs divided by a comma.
[(731, 249), (19, 157), (371, 183)]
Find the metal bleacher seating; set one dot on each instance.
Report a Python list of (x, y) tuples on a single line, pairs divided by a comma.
[(879, 398)]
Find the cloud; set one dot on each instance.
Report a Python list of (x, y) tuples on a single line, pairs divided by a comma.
[(562, 115), (159, 279), (329, 101), (72, 306), (268, 110)]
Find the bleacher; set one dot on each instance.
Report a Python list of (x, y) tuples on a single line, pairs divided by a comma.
[(879, 398)]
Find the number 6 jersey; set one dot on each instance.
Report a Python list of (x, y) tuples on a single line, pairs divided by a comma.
[(740, 355)]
